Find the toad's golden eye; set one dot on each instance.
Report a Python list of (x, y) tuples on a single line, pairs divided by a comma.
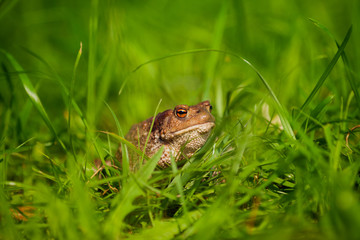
[(181, 113)]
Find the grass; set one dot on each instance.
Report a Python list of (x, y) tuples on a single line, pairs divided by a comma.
[(282, 78)]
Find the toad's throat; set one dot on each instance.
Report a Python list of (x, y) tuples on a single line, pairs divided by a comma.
[(200, 128)]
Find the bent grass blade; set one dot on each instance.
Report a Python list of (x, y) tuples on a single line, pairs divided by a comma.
[(30, 91), (282, 112)]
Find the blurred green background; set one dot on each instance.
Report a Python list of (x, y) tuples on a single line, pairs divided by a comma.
[(275, 36), (291, 44)]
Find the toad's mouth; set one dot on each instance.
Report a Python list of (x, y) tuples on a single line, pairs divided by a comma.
[(200, 128)]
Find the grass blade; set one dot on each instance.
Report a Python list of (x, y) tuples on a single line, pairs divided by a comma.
[(127, 143), (125, 159), (91, 83), (349, 71), (60, 82), (70, 99), (148, 136), (30, 91), (179, 184), (282, 112), (123, 202), (327, 70), (216, 43)]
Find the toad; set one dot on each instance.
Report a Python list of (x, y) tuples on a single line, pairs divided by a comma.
[(182, 131)]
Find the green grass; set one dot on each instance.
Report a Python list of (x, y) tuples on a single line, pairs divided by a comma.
[(282, 78)]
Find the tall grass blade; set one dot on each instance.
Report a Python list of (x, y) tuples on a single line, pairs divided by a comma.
[(6, 118), (61, 83), (216, 43), (148, 136), (348, 68), (282, 112), (30, 90), (102, 90), (118, 127), (125, 160), (91, 83), (328, 70), (71, 97)]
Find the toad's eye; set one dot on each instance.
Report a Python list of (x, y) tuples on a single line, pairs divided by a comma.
[(181, 113), (210, 108)]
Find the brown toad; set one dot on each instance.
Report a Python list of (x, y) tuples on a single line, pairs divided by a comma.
[(181, 131)]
